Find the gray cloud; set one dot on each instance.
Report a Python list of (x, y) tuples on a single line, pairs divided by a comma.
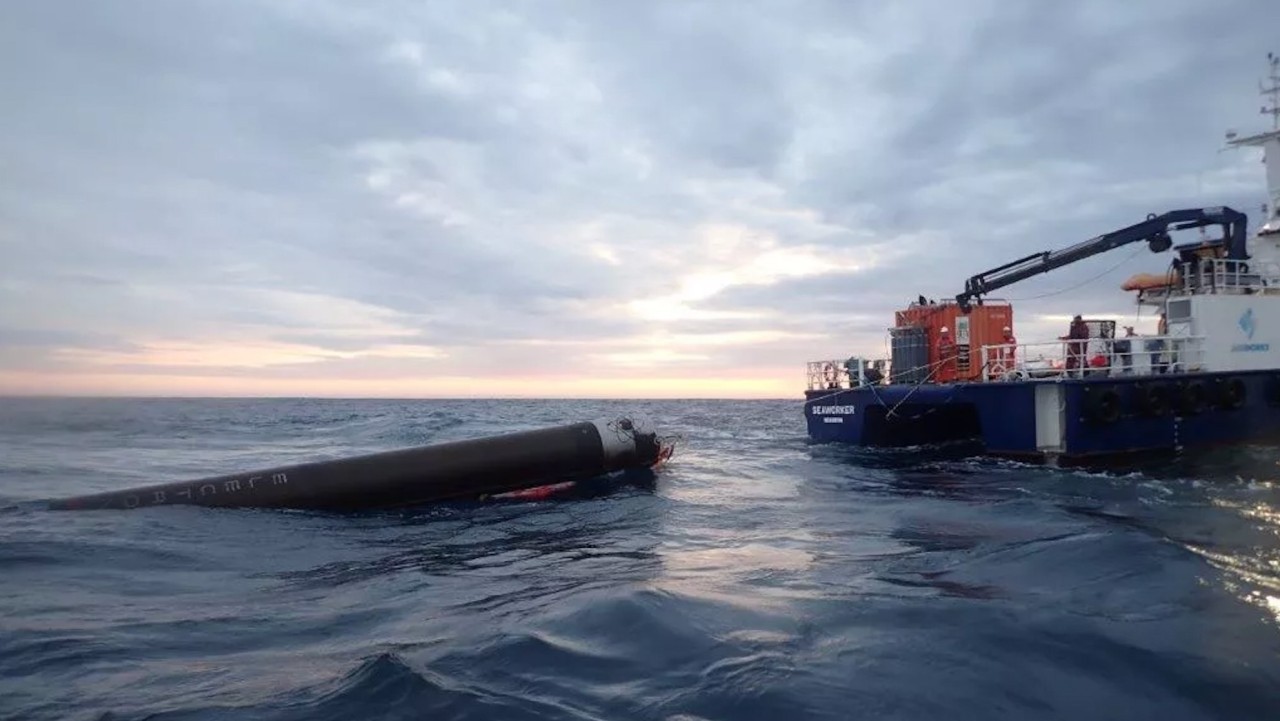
[(622, 190)]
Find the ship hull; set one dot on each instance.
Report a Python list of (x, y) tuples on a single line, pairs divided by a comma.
[(1064, 420)]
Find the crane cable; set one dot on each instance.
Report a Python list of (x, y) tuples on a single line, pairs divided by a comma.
[(1087, 281)]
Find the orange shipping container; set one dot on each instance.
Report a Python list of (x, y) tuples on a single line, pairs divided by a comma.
[(982, 325)]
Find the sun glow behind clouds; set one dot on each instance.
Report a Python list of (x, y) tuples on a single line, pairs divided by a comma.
[(739, 255)]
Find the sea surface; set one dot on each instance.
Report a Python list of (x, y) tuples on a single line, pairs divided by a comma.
[(757, 577)]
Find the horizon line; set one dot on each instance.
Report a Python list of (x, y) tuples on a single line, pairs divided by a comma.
[(58, 396)]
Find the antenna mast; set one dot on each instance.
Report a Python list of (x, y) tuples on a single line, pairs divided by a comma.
[(1272, 90), (1269, 141)]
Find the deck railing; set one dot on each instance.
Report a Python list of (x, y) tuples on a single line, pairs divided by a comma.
[(1221, 275), (830, 374), (1134, 355), (1096, 357)]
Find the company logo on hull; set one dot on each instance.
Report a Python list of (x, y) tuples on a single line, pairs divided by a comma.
[(834, 410), (1249, 324)]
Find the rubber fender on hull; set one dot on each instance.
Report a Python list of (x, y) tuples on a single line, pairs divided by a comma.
[(1102, 405), (1273, 390), (1151, 399), (1230, 393), (1191, 397), (459, 470)]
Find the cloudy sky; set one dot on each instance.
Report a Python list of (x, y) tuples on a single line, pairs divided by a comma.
[(398, 198)]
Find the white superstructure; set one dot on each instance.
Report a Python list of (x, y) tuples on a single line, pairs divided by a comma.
[(1232, 308), (1267, 240)]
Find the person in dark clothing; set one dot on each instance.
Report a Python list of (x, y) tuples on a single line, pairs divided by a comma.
[(1077, 338), (873, 374)]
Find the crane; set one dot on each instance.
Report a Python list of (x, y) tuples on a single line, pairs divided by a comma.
[(1154, 230)]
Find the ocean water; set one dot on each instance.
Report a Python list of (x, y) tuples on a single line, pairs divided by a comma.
[(758, 577)]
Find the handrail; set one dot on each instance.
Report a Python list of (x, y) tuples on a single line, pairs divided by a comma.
[(1221, 276), (827, 374), (1226, 275), (1144, 355), (836, 374)]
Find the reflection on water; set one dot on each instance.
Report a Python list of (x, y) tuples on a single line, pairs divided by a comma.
[(1250, 555), (734, 562)]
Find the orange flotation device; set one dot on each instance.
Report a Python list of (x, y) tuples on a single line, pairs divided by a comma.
[(1147, 281)]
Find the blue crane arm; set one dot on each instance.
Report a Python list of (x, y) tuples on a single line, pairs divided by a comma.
[(1155, 230)]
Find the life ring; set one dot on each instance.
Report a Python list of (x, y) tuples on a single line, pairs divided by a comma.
[(1231, 393), (1192, 397), (1151, 399), (1104, 406)]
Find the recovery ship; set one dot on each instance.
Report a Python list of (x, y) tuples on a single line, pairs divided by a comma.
[(1210, 374)]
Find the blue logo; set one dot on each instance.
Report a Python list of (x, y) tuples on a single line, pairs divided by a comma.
[(1247, 324)]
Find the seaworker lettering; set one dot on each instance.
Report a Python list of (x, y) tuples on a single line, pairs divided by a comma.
[(834, 410)]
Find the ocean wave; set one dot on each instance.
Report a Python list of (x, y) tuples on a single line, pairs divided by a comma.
[(384, 687)]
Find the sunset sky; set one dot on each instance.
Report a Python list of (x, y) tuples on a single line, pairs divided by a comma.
[(583, 199)]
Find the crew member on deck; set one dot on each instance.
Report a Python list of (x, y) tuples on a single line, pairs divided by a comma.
[(946, 353), (1004, 361), (874, 373), (1010, 351), (1077, 338)]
